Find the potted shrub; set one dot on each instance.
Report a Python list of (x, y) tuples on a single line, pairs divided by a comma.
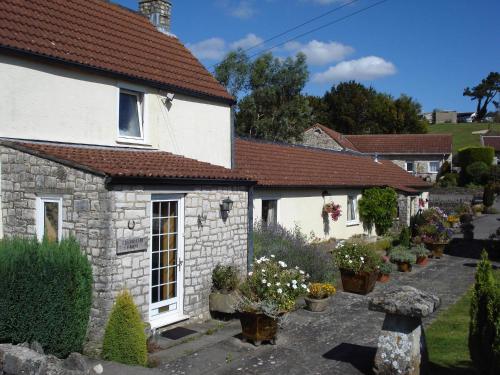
[(384, 272), (434, 230), (403, 257), (224, 283), (358, 267), (421, 253), (268, 293), (478, 209), (318, 296)]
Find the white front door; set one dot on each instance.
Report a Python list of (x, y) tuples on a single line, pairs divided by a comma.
[(167, 258)]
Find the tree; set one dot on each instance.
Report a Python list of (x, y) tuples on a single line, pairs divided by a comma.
[(484, 93), (353, 108), (378, 207), (274, 107)]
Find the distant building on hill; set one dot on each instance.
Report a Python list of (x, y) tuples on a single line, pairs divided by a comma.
[(447, 117)]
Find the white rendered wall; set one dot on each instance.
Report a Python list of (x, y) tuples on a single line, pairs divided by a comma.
[(303, 208), (42, 102)]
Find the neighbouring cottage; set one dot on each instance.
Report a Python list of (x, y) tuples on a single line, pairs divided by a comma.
[(492, 140), (113, 132), (294, 182), (419, 154)]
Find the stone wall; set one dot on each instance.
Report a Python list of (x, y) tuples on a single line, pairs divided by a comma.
[(98, 216), (315, 137), (421, 164)]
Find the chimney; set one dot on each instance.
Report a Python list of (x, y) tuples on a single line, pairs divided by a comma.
[(158, 12)]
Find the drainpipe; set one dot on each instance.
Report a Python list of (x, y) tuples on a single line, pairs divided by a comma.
[(250, 230)]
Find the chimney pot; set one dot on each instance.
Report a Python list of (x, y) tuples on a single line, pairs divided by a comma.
[(158, 12)]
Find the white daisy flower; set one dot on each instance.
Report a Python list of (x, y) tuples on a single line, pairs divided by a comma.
[(250, 273), (264, 281), (280, 290)]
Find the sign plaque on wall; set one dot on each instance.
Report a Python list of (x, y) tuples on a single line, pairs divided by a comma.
[(131, 245)]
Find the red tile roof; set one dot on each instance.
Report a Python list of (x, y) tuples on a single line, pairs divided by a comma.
[(126, 162), (274, 165), (104, 36), (392, 143), (491, 141), (402, 143)]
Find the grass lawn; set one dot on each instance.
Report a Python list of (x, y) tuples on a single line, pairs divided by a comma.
[(447, 339), (462, 133)]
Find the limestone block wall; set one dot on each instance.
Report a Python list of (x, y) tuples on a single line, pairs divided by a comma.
[(315, 137)]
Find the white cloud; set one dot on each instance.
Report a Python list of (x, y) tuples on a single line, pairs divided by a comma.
[(244, 9), (321, 53), (365, 68), (248, 41), (210, 49)]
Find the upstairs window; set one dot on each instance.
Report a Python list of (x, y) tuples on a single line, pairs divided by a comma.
[(433, 167), (131, 114), (410, 166)]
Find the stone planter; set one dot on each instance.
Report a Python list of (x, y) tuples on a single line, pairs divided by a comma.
[(222, 302), (383, 278), (404, 266), (437, 248), (258, 327), (359, 283), (422, 261), (316, 305)]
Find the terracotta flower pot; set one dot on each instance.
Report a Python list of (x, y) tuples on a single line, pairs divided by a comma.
[(359, 283), (383, 278), (437, 248), (422, 261), (257, 327), (316, 305), (404, 266)]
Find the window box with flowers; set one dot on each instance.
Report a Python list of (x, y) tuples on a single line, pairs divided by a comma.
[(359, 267), (268, 293), (318, 296)]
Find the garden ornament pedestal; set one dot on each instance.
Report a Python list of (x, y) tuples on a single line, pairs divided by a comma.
[(401, 344)]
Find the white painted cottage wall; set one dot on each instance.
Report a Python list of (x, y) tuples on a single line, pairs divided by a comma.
[(303, 208), (43, 102)]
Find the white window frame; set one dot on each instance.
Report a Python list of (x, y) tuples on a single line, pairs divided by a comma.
[(40, 216), (429, 166), (141, 103), (277, 207), (406, 166), (354, 221)]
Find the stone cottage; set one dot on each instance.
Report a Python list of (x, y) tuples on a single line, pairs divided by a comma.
[(113, 132), (419, 154)]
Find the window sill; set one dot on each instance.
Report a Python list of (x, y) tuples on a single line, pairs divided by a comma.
[(133, 141), (352, 223)]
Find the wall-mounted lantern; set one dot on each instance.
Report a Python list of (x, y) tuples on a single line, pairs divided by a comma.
[(225, 207)]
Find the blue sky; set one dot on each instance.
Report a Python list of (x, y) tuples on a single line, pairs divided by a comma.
[(428, 49)]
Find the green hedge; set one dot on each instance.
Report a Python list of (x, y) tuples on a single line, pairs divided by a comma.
[(124, 339), (378, 207), (484, 329), (45, 294), (469, 155)]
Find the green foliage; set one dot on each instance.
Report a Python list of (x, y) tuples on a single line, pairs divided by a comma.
[(420, 251), (225, 278), (356, 257), (404, 237), (401, 254), (274, 108), (124, 338), (478, 172), (378, 207), (45, 294), (489, 195), (484, 93), (448, 180), (352, 108), (385, 268), (292, 247), (484, 329), (471, 155)]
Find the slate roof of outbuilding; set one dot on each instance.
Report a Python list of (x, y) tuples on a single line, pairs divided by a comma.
[(282, 165), (126, 162), (106, 37)]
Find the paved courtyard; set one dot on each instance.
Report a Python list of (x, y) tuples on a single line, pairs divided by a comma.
[(339, 341)]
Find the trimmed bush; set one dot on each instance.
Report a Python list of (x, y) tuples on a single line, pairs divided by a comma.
[(478, 172), (378, 207), (469, 155), (489, 195), (484, 329), (45, 294), (448, 180), (124, 338), (292, 248)]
